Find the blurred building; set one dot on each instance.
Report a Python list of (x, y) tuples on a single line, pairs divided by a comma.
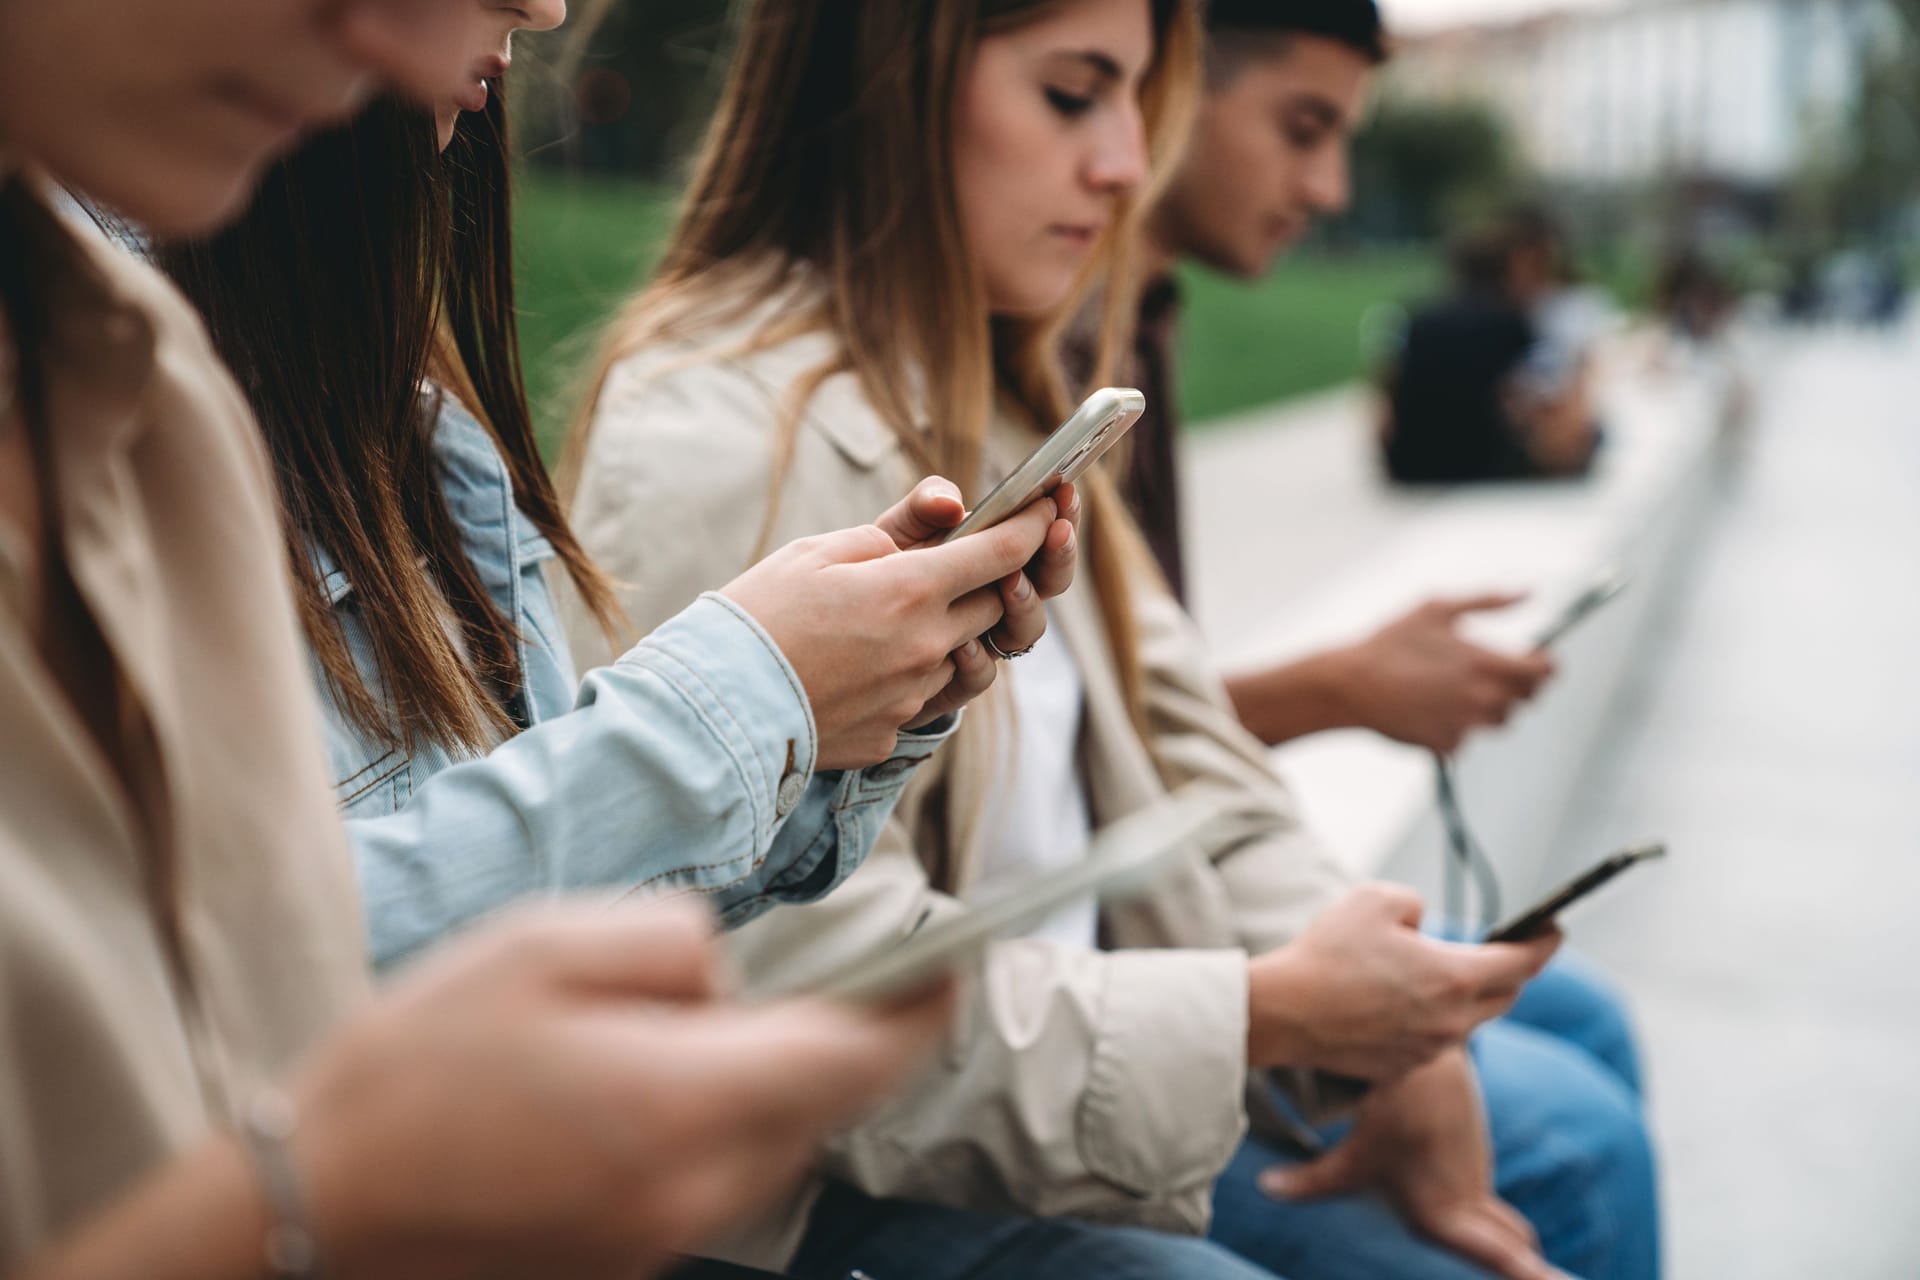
[(1732, 91)]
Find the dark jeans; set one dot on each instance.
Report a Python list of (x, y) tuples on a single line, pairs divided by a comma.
[(1562, 1085), (853, 1235)]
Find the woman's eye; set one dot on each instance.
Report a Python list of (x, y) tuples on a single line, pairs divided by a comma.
[(1069, 104)]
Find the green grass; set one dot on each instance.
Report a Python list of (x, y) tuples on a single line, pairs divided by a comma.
[(582, 246), (1298, 331)]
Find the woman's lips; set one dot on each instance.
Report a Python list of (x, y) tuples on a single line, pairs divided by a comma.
[(1080, 237)]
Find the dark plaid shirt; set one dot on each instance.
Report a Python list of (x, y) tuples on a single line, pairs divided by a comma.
[(1152, 481)]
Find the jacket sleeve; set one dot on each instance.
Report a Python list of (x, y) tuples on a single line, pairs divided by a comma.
[(1103, 1085), (686, 766), (1277, 876)]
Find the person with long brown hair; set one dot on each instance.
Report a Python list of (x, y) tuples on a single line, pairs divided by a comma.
[(195, 1080), (898, 209), (366, 301)]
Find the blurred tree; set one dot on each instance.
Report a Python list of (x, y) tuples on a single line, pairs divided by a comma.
[(1420, 169), (1861, 181), (640, 92)]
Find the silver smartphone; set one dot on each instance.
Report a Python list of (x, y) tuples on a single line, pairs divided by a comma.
[(1062, 457), (1124, 860), (1605, 587)]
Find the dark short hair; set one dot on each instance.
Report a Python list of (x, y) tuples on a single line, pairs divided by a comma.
[(1354, 23)]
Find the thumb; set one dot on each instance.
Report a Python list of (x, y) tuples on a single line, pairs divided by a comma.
[(1485, 602), (1332, 1174), (1395, 902), (933, 507), (970, 563)]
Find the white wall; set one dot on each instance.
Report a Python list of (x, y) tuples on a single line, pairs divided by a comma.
[(1733, 89)]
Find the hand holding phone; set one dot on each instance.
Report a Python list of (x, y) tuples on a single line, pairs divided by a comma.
[(1606, 587), (1062, 457), (1536, 920)]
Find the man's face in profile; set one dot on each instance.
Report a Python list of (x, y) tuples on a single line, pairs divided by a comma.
[(1269, 153)]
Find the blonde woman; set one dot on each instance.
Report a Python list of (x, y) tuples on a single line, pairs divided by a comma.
[(897, 208)]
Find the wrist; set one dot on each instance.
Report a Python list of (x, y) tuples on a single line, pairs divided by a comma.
[(339, 1173), (1338, 684), (1309, 696), (288, 1244), (1275, 1035)]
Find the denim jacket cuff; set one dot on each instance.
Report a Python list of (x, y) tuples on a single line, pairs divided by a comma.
[(886, 780), (748, 695)]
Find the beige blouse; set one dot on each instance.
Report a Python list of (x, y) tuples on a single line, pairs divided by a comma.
[(128, 1028)]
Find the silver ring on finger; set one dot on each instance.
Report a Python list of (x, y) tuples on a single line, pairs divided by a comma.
[(1002, 654)]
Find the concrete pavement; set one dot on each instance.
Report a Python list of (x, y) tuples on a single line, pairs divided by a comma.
[(1773, 736), (1771, 733)]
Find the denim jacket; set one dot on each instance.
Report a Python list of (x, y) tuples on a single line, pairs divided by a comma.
[(685, 766)]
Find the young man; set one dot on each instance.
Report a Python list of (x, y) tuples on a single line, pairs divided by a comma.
[(1288, 81), (1288, 84)]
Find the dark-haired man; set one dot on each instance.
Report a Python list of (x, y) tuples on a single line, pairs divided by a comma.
[(1425, 1185)]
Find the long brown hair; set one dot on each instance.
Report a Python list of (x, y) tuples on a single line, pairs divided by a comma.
[(827, 173), (370, 263)]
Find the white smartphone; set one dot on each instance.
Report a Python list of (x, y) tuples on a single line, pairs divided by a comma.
[(1123, 861), (1605, 587), (1062, 457)]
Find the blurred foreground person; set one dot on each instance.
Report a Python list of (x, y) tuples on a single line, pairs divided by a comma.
[(1287, 84), (196, 1081)]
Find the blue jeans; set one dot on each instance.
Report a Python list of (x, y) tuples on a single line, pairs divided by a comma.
[(1562, 1086), (853, 1234)]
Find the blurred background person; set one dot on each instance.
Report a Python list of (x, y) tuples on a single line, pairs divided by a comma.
[(1492, 381)]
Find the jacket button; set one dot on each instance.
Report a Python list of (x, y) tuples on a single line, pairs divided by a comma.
[(792, 787)]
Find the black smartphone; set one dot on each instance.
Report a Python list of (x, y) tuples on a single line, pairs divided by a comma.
[(1536, 920), (1606, 587)]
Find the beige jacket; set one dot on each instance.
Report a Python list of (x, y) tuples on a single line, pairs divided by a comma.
[(118, 1048), (1101, 1084)]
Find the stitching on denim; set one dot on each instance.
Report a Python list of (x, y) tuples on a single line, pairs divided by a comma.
[(711, 709), (780, 662), (385, 777), (365, 769), (810, 859)]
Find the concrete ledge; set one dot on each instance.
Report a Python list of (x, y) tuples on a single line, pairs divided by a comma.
[(1298, 544)]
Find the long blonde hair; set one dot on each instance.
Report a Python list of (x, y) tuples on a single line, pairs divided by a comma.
[(827, 175)]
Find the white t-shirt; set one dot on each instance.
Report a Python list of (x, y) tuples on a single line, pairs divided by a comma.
[(1041, 820)]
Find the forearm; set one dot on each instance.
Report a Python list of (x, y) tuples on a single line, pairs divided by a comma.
[(1280, 704), (202, 1218), (676, 771)]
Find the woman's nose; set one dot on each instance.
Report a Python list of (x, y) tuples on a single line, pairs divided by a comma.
[(1119, 165), (535, 15)]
